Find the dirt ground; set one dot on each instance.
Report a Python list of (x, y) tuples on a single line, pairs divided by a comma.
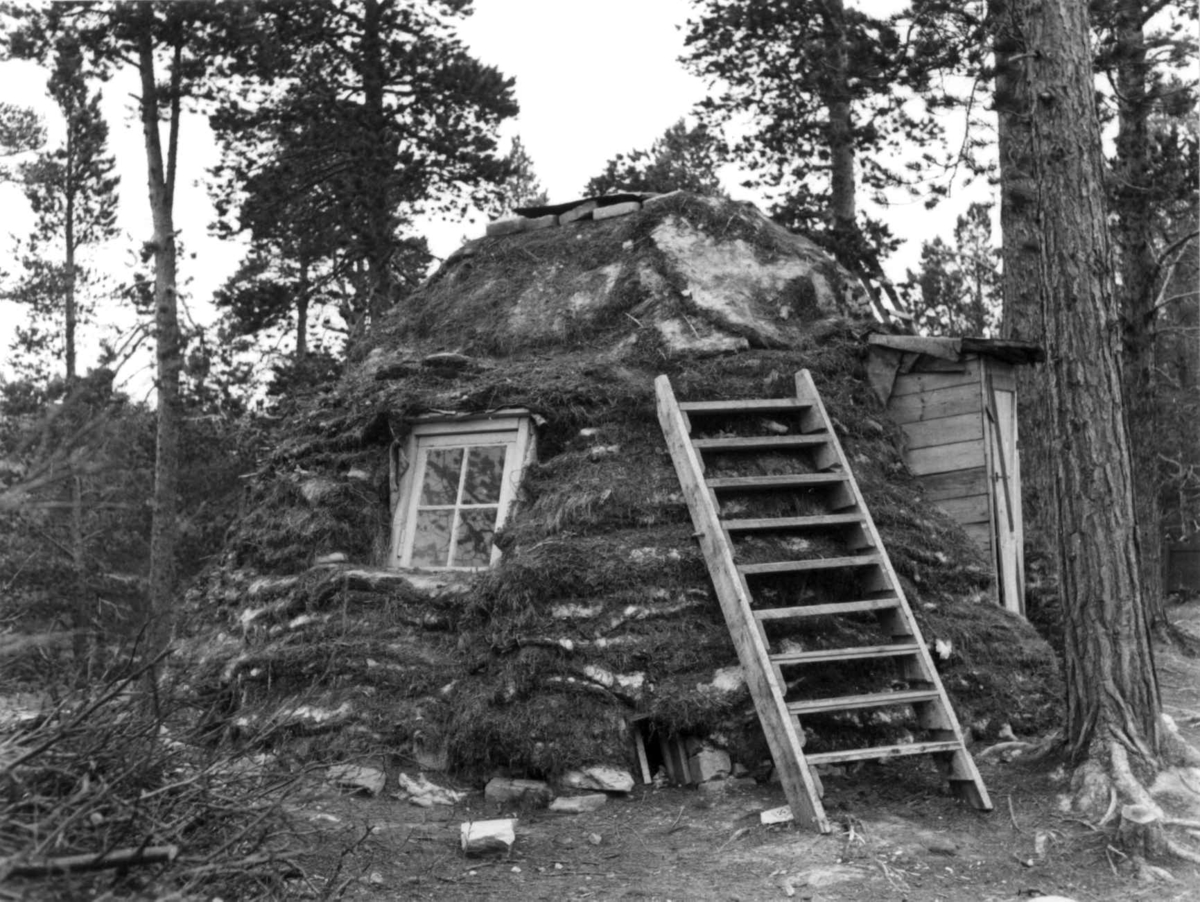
[(898, 836)]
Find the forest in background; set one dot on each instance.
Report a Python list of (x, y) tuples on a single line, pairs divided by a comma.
[(340, 123)]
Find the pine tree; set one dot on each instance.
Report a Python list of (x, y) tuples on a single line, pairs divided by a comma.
[(833, 95), (681, 159), (957, 290), (365, 114), (1114, 730), (73, 195), (522, 187)]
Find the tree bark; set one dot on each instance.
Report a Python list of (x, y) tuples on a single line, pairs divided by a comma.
[(843, 213), (379, 161), (1021, 316), (302, 314), (1112, 689), (1135, 237), (168, 350)]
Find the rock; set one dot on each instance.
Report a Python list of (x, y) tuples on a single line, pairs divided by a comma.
[(505, 791), (776, 815), (483, 837), (579, 804), (614, 210), (719, 785), (506, 226), (709, 764), (575, 213), (599, 776), (334, 557), (541, 222), (426, 794), (357, 779)]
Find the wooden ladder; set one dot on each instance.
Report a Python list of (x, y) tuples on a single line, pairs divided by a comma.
[(858, 580)]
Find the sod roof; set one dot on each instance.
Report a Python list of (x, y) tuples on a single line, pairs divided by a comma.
[(600, 610)]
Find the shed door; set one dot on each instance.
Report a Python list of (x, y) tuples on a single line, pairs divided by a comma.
[(1006, 478)]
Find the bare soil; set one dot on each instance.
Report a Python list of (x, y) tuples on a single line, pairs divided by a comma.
[(899, 836)]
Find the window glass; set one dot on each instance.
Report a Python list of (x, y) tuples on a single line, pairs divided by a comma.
[(431, 539), (473, 540), (485, 472), (465, 482), (443, 467)]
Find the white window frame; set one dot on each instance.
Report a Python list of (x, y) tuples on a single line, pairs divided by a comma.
[(514, 431)]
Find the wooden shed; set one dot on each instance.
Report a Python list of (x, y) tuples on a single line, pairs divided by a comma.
[(956, 400)]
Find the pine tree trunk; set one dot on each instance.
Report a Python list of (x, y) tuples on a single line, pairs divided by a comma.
[(1021, 318), (302, 315), (380, 157), (1134, 234), (841, 128), (1112, 690), (168, 351)]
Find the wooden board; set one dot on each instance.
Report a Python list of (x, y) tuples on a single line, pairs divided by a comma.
[(963, 427), (946, 458), (944, 402), (917, 383), (940, 486), (1003, 375), (981, 533), (747, 638), (972, 509)]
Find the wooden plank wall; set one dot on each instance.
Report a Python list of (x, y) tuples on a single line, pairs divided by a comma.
[(941, 414)]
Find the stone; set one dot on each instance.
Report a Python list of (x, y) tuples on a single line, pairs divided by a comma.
[(614, 210), (538, 223), (483, 837), (447, 360), (709, 764), (357, 779), (506, 791), (781, 815), (578, 804), (506, 227), (334, 557), (425, 794), (599, 776), (577, 212), (719, 785)]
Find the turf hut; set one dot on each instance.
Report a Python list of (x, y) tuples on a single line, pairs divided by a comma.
[(473, 551)]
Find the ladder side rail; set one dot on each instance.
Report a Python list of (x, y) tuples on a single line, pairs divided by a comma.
[(963, 766), (732, 593)]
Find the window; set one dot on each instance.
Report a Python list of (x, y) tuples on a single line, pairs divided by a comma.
[(461, 479)]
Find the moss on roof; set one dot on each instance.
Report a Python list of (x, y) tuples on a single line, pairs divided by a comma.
[(600, 609)]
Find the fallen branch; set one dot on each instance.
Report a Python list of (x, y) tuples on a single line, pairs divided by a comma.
[(73, 864)]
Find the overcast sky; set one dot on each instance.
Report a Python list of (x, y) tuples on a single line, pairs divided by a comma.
[(593, 78)]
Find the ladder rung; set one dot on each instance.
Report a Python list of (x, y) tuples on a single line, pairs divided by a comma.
[(761, 442), (769, 523), (873, 700), (821, 610), (821, 563), (753, 405), (884, 751), (784, 481), (846, 654)]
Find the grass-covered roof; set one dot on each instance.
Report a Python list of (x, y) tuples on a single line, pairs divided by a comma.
[(600, 610)]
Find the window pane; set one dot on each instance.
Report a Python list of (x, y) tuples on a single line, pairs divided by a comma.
[(442, 469), (431, 541), (485, 470), (473, 544)]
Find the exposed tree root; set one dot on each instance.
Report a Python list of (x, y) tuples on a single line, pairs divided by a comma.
[(1106, 783)]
